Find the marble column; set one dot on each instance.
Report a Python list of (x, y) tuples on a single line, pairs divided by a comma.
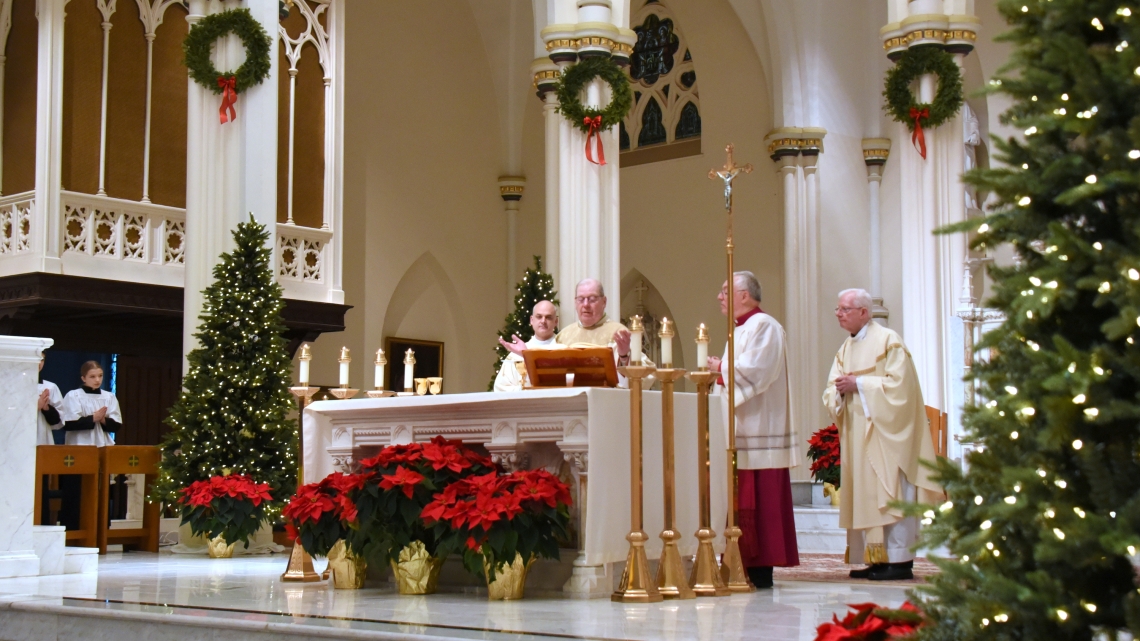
[(795, 151), (875, 153), (231, 169), (19, 367), (46, 233), (511, 191)]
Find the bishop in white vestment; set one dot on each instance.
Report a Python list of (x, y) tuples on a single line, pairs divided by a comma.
[(874, 398), (512, 375)]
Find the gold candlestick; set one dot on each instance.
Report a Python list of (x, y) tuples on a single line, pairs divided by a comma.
[(705, 579), (300, 566), (732, 565), (380, 392), (344, 391), (635, 586), (671, 581)]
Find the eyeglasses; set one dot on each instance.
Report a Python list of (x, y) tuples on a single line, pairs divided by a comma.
[(847, 310), (582, 300)]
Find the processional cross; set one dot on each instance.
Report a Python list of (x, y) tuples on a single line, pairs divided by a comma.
[(732, 563)]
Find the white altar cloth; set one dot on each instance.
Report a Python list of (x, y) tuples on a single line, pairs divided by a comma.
[(589, 425)]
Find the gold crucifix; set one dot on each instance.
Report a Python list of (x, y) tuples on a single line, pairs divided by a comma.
[(727, 174)]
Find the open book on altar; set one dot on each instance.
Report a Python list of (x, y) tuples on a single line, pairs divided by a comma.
[(571, 367)]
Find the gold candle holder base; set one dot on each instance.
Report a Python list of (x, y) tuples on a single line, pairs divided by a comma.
[(671, 582), (732, 564), (380, 393), (344, 393), (636, 585), (300, 568), (304, 393), (705, 579)]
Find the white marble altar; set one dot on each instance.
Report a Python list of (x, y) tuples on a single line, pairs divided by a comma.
[(585, 427), (19, 362)]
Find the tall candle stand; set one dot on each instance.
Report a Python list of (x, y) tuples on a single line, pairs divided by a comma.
[(705, 579), (635, 586), (671, 581), (300, 568), (732, 565), (344, 391), (380, 392)]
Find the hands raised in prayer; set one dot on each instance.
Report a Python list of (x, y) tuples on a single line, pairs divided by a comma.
[(846, 385), (516, 346), (42, 404), (99, 415)]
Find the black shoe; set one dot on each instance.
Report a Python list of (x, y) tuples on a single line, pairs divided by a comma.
[(893, 572), (761, 577), (866, 572)]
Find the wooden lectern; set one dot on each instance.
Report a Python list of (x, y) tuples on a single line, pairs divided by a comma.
[(591, 367)]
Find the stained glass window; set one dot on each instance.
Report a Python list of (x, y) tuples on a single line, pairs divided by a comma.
[(652, 128)]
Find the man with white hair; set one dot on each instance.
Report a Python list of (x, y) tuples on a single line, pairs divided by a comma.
[(543, 320), (874, 398), (593, 328), (765, 444)]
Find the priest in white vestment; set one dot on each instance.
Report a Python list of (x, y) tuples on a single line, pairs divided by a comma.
[(593, 329), (512, 375), (874, 398), (766, 446)]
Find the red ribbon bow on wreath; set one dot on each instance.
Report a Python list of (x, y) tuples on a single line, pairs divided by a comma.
[(918, 115), (594, 124), (229, 97)]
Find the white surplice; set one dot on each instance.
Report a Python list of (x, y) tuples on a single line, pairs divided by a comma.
[(512, 373), (55, 399), (77, 404)]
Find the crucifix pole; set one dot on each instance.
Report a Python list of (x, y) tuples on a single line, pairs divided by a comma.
[(732, 565)]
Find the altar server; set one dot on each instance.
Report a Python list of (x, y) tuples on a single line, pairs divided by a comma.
[(91, 414), (874, 398), (543, 320), (49, 409), (766, 446)]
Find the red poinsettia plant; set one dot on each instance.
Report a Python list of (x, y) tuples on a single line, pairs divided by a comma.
[(322, 513), (231, 506), (823, 449), (491, 518), (402, 481), (869, 622)]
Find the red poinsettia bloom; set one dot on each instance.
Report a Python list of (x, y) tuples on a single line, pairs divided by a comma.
[(238, 486), (405, 479), (867, 622), (473, 545), (291, 532), (309, 504), (445, 456), (484, 511)]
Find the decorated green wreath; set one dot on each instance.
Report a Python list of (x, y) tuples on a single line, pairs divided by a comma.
[(576, 77), (252, 72), (916, 62)]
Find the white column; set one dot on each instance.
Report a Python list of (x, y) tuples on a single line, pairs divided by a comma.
[(551, 115), (108, 10), (46, 232), (19, 362), (511, 191), (231, 169), (875, 153)]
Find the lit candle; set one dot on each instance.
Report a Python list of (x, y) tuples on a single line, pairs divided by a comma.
[(702, 348), (305, 357), (635, 331), (666, 335), (380, 363), (344, 360), (409, 368)]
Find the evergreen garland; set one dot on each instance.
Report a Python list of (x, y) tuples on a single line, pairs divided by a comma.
[(535, 287), (570, 87), (1045, 524), (206, 32), (233, 413), (915, 62)]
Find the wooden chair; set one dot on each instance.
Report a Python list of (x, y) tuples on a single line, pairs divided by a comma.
[(129, 459), (81, 460), (937, 419)]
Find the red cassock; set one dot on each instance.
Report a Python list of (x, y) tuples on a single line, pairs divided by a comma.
[(766, 519)]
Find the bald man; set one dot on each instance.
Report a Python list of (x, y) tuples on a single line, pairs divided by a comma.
[(543, 320)]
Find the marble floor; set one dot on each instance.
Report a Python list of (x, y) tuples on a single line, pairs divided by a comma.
[(247, 590)]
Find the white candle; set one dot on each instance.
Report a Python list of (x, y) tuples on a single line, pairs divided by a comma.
[(379, 376), (702, 348), (408, 367), (635, 347), (666, 335), (344, 374), (304, 372)]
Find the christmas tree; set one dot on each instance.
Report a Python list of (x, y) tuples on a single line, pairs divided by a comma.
[(536, 286), (232, 416), (1044, 522)]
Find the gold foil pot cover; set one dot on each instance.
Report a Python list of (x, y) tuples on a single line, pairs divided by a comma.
[(416, 571), (348, 570), (510, 579), (219, 549)]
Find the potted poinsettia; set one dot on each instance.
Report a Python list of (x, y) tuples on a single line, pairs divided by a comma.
[(869, 622), (501, 523), (321, 515), (225, 509), (823, 449), (404, 479)]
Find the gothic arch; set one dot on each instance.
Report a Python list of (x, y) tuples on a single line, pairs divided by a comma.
[(655, 307), (425, 272)]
